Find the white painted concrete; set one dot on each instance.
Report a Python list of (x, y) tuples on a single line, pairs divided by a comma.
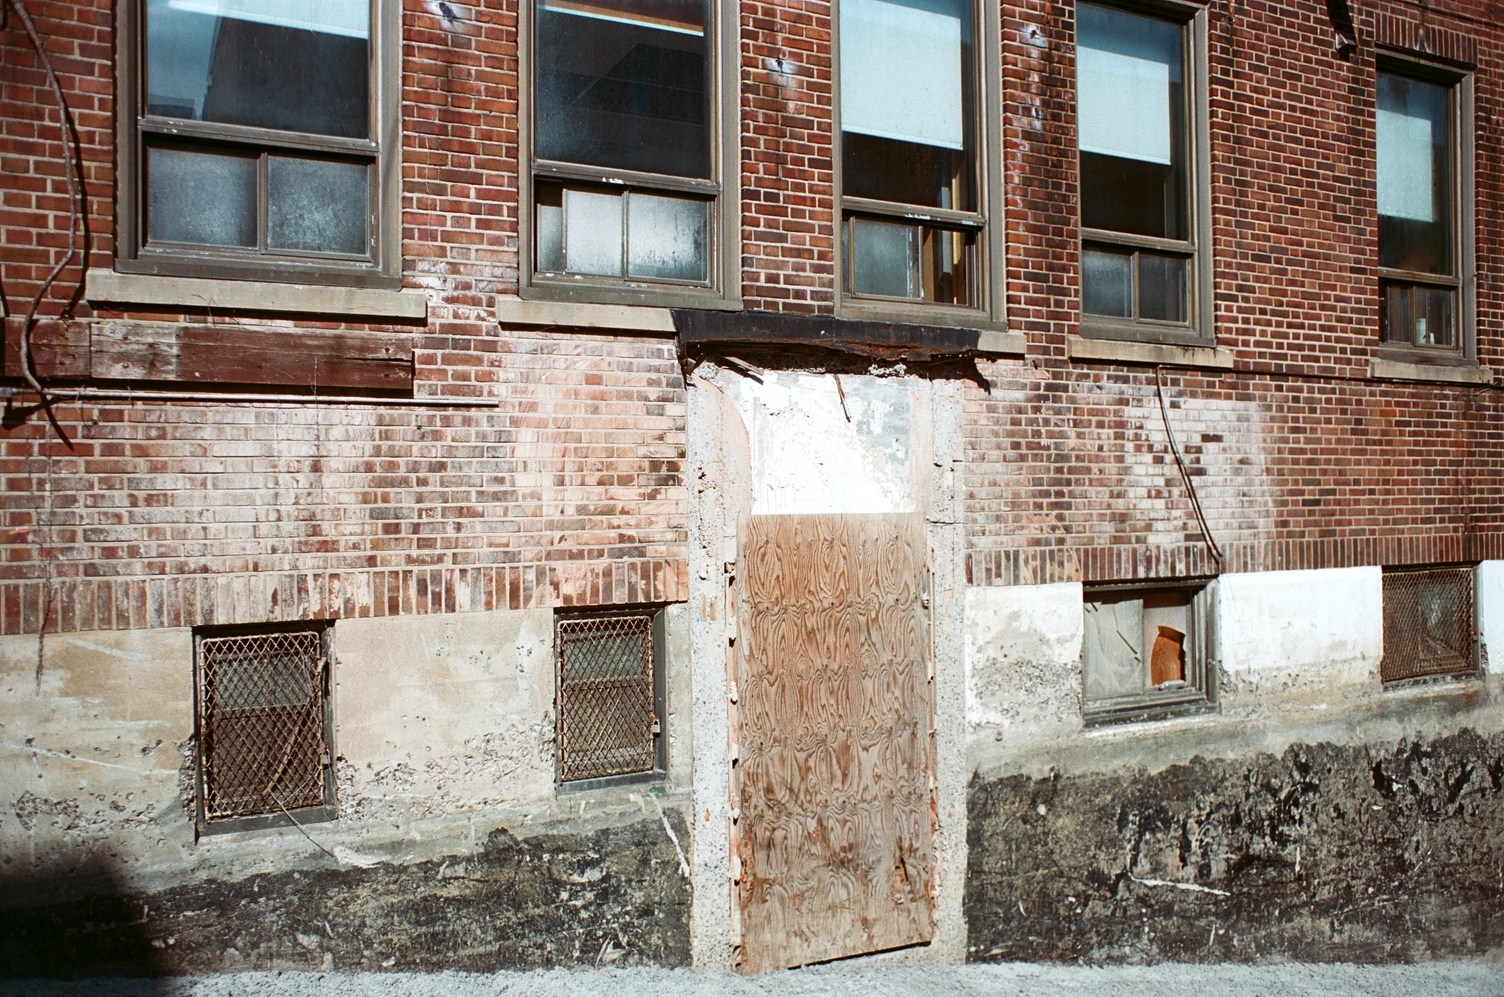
[(1023, 660), (1488, 588)]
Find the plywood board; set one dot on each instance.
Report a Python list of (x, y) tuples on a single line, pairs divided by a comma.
[(836, 752)]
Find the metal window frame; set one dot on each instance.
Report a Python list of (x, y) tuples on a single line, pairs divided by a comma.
[(383, 267), (987, 222), (1200, 329), (1202, 655), (1475, 671), (723, 189), (329, 811), (658, 634), (1464, 216)]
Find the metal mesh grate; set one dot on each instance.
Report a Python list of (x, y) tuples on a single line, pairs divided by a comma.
[(605, 696), (1428, 623), (262, 723)]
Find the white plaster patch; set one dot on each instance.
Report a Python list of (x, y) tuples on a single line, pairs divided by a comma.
[(1489, 592), (1023, 656)]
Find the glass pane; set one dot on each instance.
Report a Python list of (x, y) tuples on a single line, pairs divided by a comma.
[(1167, 615), (550, 232), (906, 101), (623, 83), (1418, 316), (1413, 143), (1162, 287), (317, 205), (592, 233), (882, 258), (1107, 283), (1112, 653), (945, 259), (208, 198), (284, 64), (1130, 106), (665, 237)]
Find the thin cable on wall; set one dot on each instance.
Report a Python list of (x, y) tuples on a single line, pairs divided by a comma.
[(1185, 474)]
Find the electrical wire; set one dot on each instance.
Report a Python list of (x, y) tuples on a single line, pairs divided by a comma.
[(1185, 474)]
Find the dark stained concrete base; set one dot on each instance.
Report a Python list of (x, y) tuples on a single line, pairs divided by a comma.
[(1386, 853), (612, 897)]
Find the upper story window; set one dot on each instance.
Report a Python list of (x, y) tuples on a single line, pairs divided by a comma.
[(913, 215), (1142, 166), (1424, 241), (625, 180), (260, 140)]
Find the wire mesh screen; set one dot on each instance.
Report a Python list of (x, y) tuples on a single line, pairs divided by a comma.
[(605, 696), (262, 723), (1428, 623)]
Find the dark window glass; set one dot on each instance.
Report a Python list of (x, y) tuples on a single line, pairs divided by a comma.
[(1162, 287), (302, 67), (1418, 316), (623, 84), (1131, 126), (1107, 283), (317, 205), (1414, 140), (907, 102), (201, 197)]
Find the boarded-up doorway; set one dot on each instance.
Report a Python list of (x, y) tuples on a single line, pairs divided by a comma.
[(836, 833)]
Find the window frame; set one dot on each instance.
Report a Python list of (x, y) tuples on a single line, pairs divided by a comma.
[(1463, 153), (987, 221), (659, 635), (1200, 692), (722, 289), (1200, 327), (382, 270), (329, 811)]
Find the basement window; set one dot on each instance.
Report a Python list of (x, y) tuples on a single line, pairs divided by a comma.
[(1145, 651), (264, 726), (1428, 624), (610, 696)]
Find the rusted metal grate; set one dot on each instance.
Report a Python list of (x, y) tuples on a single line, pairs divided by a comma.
[(606, 721), (261, 725), (1428, 623)]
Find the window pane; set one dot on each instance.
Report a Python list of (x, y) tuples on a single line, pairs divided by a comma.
[(550, 233), (283, 64), (1413, 139), (1113, 660), (208, 198), (623, 83), (592, 233), (882, 258), (317, 205), (1107, 283), (945, 259), (665, 237), (1161, 287), (906, 101), (1130, 102), (1166, 615), (1418, 316)]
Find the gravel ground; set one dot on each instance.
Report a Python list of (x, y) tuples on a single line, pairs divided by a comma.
[(1449, 979)]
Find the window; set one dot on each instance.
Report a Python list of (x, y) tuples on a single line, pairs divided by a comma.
[(259, 140), (1145, 651), (1428, 624), (1424, 239), (264, 725), (913, 217), (610, 694), (1143, 155), (625, 184)]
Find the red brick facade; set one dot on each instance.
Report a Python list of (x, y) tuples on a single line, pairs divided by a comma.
[(570, 491)]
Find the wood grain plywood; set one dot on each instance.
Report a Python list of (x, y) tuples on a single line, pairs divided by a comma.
[(836, 702)]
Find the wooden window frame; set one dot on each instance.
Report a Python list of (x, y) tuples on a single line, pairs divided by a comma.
[(1200, 692), (383, 267), (722, 287), (1464, 210), (986, 222), (1200, 327)]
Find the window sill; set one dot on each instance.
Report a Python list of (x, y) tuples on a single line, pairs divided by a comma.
[(1400, 370), (572, 315), (107, 286), (1121, 351)]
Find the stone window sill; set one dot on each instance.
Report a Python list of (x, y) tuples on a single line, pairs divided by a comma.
[(1399, 370), (107, 286), (1123, 351), (580, 315)]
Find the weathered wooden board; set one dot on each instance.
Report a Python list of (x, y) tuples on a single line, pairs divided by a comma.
[(836, 833), (59, 349)]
